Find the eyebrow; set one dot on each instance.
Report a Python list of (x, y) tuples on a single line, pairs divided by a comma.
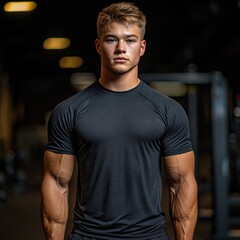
[(125, 36)]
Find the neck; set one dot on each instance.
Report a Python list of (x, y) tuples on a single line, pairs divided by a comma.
[(119, 82)]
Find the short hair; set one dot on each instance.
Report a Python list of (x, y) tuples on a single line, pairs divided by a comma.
[(121, 12)]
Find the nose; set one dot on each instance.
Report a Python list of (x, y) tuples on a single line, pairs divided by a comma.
[(120, 47)]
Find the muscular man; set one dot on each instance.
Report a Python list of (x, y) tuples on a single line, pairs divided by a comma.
[(119, 130)]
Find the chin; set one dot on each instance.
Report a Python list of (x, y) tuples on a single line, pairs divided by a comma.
[(123, 69), (119, 70)]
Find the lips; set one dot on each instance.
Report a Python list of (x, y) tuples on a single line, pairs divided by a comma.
[(120, 59)]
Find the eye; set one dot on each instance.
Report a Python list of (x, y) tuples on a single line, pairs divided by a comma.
[(111, 40), (131, 40)]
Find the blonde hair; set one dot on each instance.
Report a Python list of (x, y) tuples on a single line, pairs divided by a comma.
[(122, 12)]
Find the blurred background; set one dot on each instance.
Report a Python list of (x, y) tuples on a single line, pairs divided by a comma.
[(47, 53)]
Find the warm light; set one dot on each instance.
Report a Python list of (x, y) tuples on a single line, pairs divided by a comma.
[(20, 6), (82, 80), (56, 43), (172, 89), (70, 62)]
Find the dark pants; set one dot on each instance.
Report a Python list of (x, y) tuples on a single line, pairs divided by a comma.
[(75, 236)]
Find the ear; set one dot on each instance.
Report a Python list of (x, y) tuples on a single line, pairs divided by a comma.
[(97, 45), (143, 47)]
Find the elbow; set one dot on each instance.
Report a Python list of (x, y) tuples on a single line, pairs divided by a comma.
[(185, 184), (62, 180)]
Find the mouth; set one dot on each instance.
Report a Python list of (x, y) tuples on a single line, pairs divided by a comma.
[(120, 60)]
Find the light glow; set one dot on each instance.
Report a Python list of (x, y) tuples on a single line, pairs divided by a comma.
[(70, 62), (172, 89), (82, 80), (20, 6), (56, 43)]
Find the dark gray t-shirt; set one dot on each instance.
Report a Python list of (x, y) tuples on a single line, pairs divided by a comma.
[(118, 139)]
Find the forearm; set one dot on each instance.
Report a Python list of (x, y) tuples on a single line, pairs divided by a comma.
[(184, 209), (54, 209)]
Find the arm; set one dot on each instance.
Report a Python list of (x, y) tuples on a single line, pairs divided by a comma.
[(182, 193), (58, 169)]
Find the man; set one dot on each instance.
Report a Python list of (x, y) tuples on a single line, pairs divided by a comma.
[(119, 129)]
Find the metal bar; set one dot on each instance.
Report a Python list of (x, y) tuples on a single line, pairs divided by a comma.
[(188, 77), (220, 155), (193, 119)]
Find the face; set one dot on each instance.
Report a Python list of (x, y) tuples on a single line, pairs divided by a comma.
[(120, 47)]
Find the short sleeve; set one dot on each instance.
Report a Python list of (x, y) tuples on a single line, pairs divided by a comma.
[(60, 130), (176, 139)]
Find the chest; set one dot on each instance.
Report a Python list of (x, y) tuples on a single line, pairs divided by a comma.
[(121, 119)]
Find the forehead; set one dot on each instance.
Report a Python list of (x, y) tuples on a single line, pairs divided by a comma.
[(119, 29)]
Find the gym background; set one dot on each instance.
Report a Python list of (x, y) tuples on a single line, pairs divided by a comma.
[(47, 53)]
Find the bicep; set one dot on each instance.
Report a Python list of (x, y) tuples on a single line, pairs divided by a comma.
[(58, 167), (179, 166)]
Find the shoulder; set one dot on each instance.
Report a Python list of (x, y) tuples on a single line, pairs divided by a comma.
[(172, 113), (158, 99), (76, 101), (66, 110)]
